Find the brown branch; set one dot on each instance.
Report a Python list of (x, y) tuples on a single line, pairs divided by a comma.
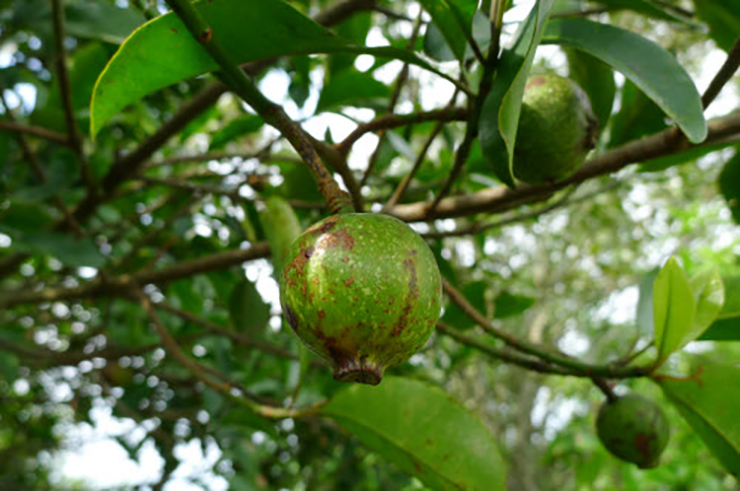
[(200, 371), (75, 141), (725, 73), (121, 286), (35, 131), (397, 120), (231, 334), (500, 198), (554, 358)]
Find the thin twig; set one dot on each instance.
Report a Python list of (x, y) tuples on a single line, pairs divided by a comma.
[(729, 67), (40, 172), (35, 131), (475, 105), (201, 372), (396, 120), (403, 185), (534, 350), (533, 364), (400, 81)]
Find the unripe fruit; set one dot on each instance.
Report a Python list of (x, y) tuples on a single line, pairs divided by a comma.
[(557, 129), (634, 429), (362, 291)]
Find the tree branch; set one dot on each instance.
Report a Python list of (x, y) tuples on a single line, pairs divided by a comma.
[(35, 131), (725, 73), (501, 198), (121, 286), (559, 359)]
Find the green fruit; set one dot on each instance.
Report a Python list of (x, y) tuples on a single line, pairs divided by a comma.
[(362, 291), (557, 129), (634, 429)]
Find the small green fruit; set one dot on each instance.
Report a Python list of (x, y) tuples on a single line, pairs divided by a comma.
[(557, 129), (634, 429), (362, 291)]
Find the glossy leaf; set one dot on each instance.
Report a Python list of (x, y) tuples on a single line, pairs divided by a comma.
[(709, 293), (163, 52), (727, 325), (729, 185), (509, 305), (453, 18), (709, 402), (501, 109), (723, 19), (596, 78), (655, 71), (247, 309), (351, 87), (639, 116), (422, 431), (673, 308)]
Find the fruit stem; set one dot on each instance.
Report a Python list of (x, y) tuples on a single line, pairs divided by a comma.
[(238, 81), (606, 388)]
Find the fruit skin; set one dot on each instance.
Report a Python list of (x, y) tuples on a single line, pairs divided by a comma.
[(362, 291), (633, 428), (557, 129)]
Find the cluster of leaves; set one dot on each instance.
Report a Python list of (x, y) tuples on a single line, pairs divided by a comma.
[(131, 169)]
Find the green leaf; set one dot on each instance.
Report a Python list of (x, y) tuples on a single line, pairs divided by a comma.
[(729, 185), (93, 19), (644, 314), (655, 71), (435, 45), (596, 78), (649, 9), (281, 227), (68, 250), (247, 309), (709, 402), (454, 20), (101, 20), (423, 432), (236, 128), (723, 19), (727, 325), (709, 292), (508, 305), (638, 116), (163, 52), (351, 87), (501, 109), (673, 308)]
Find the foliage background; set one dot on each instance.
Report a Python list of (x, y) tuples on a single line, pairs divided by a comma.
[(566, 278)]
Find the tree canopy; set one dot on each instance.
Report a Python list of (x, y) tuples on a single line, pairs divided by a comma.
[(157, 159)]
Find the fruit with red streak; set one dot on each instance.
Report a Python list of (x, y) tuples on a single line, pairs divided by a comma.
[(362, 291)]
